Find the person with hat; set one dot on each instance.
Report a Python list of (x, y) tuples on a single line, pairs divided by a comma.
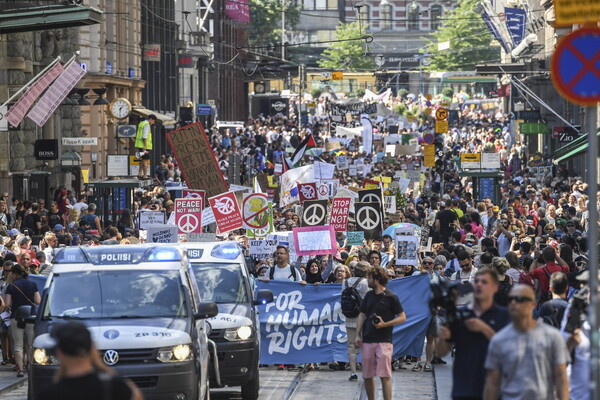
[(169, 207), (82, 374), (143, 142)]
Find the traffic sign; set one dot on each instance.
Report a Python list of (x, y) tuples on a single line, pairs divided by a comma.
[(337, 76), (429, 138), (441, 113), (575, 70), (569, 12), (188, 215), (441, 126), (203, 109), (470, 160)]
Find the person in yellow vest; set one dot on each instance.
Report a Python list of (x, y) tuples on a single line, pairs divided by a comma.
[(143, 142)]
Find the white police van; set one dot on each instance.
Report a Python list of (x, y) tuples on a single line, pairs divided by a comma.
[(143, 309), (223, 278)]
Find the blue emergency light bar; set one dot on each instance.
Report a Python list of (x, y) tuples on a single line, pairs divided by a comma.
[(226, 250), (115, 255)]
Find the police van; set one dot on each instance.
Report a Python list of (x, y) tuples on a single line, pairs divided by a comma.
[(143, 309), (223, 278)]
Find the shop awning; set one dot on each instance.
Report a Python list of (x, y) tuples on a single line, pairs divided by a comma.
[(577, 150), (162, 118), (55, 16)]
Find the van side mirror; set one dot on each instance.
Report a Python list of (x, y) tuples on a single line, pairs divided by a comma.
[(207, 310), (263, 296)]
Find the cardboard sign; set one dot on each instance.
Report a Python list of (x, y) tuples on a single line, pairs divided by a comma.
[(340, 211), (188, 215), (369, 219), (307, 191), (150, 218), (161, 234), (261, 249), (314, 213), (226, 211), (314, 240), (406, 250), (389, 204), (196, 159), (355, 238), (429, 155)]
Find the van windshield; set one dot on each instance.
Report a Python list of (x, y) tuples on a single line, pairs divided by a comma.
[(220, 283), (116, 294)]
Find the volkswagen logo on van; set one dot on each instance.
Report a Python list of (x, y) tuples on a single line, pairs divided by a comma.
[(111, 357)]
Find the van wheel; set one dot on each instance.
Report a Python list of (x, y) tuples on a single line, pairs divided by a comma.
[(250, 389)]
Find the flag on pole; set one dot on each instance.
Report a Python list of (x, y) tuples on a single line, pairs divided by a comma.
[(286, 165), (307, 143)]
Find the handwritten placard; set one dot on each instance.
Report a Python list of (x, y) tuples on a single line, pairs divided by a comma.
[(314, 240), (161, 234), (151, 218), (355, 238), (196, 159)]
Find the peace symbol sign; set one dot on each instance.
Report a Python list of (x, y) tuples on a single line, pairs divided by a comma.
[(323, 190), (314, 214), (225, 206), (368, 218), (371, 198), (188, 223)]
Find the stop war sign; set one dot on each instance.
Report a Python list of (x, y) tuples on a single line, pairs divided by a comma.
[(339, 213)]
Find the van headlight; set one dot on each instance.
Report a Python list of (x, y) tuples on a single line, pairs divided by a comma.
[(42, 357), (243, 332), (181, 352)]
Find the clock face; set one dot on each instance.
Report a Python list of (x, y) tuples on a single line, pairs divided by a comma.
[(259, 88), (120, 108)]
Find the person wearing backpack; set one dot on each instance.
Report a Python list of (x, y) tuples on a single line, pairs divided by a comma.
[(354, 290), (32, 221), (552, 311), (541, 275), (282, 270)]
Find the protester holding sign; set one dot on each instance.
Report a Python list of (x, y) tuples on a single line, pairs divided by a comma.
[(379, 312), (282, 270)]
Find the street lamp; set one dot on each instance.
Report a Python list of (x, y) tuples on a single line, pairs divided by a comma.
[(70, 159)]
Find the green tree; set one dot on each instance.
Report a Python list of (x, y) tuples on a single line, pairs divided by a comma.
[(348, 55), (265, 21), (470, 40)]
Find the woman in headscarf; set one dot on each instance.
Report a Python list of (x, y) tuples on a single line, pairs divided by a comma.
[(313, 272)]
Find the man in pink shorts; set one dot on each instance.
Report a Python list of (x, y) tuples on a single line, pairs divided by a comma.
[(380, 310)]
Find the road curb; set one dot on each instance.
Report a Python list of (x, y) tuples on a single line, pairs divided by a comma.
[(13, 386)]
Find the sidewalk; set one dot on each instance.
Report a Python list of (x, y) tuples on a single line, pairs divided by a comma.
[(443, 378), (9, 380)]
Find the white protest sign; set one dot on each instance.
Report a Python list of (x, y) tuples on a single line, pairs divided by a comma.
[(390, 149), (208, 217), (403, 183), (201, 237), (490, 160), (238, 188), (342, 162), (323, 170), (389, 203), (352, 170), (150, 218), (406, 250), (315, 240), (263, 248), (161, 234)]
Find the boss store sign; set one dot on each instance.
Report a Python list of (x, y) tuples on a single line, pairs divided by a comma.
[(46, 149)]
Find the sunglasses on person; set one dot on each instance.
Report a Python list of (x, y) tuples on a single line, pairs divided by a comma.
[(399, 272), (519, 299), (428, 262)]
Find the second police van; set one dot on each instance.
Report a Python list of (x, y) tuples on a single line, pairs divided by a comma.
[(142, 306), (223, 278)]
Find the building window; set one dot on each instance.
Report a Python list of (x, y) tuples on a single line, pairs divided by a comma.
[(413, 16), (320, 4), (386, 16), (436, 14), (309, 4)]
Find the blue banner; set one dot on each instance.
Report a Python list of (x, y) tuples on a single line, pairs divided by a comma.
[(494, 29), (516, 19), (305, 324)]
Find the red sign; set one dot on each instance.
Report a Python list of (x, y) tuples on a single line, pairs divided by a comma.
[(307, 191), (188, 215), (574, 68), (339, 213), (238, 10), (193, 194), (226, 211)]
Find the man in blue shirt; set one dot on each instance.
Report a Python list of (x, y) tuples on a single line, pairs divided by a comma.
[(471, 334)]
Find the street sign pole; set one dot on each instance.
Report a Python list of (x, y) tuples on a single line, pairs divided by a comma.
[(592, 179)]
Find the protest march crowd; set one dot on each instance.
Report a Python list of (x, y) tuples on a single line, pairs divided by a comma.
[(509, 271)]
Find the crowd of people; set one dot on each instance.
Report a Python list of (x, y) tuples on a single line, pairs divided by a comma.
[(527, 251)]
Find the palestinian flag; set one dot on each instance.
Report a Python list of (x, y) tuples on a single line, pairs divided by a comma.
[(307, 143), (286, 165)]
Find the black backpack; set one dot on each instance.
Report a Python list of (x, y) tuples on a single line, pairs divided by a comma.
[(292, 268), (351, 300), (29, 224)]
